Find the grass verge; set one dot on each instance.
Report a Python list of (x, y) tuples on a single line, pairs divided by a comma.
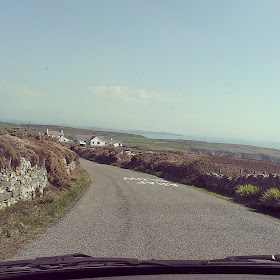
[(26, 220), (228, 198)]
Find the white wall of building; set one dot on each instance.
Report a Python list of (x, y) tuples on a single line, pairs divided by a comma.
[(96, 141)]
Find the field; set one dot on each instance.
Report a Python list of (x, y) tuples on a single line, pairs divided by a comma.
[(199, 145)]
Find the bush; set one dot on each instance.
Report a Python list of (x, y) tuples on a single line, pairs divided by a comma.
[(201, 166), (271, 198), (248, 193)]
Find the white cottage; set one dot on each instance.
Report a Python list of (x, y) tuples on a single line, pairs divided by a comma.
[(97, 141), (57, 134), (114, 143)]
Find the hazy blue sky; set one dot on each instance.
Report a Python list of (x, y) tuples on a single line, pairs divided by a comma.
[(194, 67)]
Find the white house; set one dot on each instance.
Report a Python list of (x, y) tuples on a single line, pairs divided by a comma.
[(57, 134), (91, 140), (114, 143), (97, 141)]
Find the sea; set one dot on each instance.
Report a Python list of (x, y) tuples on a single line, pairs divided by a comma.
[(170, 136)]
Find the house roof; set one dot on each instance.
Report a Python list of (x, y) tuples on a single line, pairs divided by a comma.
[(55, 133), (88, 137), (113, 141), (101, 138), (83, 137)]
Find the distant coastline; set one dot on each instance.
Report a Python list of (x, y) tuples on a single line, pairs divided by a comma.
[(161, 135), (173, 136)]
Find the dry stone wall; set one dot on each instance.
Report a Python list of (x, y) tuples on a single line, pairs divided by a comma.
[(25, 182), (228, 185), (70, 167)]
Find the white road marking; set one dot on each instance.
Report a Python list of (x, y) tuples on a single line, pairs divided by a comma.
[(145, 181)]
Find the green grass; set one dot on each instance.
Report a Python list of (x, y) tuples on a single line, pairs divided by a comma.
[(228, 198), (167, 144), (69, 134), (271, 198), (234, 148), (7, 125), (132, 140), (248, 192), (25, 220)]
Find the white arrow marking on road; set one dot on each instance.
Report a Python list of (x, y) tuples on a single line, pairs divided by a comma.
[(132, 178), (144, 181), (151, 183)]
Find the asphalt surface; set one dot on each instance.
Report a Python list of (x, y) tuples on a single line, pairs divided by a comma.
[(124, 215)]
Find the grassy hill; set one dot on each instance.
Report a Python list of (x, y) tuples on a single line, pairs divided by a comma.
[(70, 132)]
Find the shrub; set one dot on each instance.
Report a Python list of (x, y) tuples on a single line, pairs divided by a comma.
[(248, 193), (201, 166), (271, 198)]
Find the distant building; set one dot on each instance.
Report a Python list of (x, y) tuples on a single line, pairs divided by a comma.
[(115, 143), (95, 141), (82, 140), (57, 134)]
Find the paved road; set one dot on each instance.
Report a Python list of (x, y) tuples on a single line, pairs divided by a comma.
[(131, 214)]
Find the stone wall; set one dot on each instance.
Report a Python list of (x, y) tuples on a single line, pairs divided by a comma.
[(223, 184), (25, 182), (70, 167)]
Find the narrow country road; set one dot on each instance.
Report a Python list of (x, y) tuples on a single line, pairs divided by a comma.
[(130, 214)]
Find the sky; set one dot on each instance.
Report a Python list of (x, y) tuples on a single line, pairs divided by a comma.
[(200, 67)]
